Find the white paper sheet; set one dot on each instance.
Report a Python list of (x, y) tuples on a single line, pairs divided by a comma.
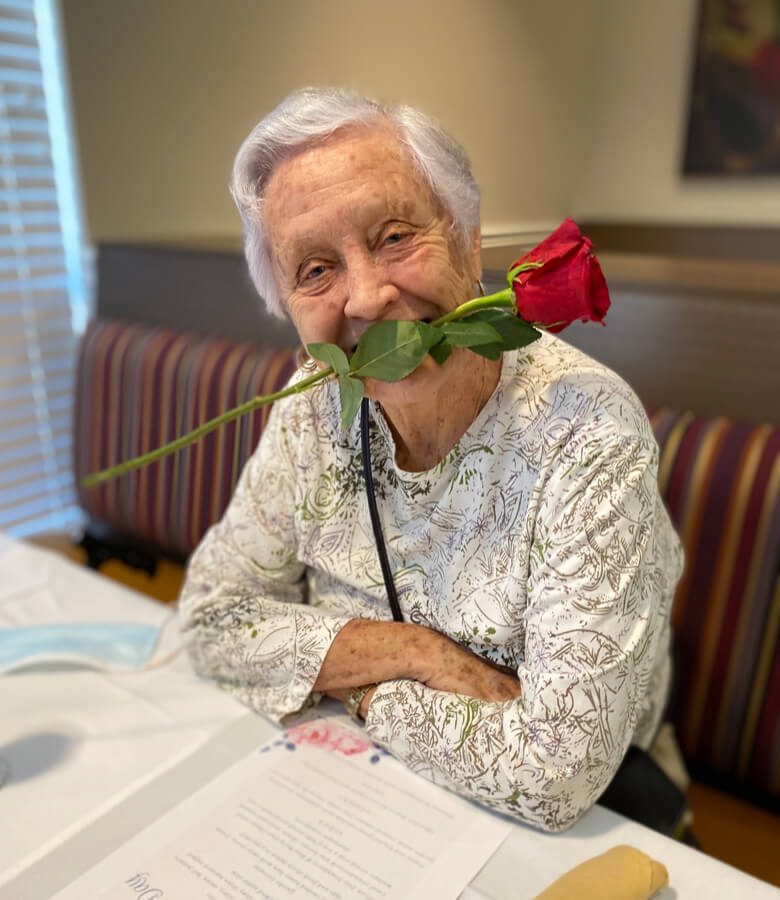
[(319, 812)]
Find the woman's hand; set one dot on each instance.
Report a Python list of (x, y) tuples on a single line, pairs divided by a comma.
[(450, 667), (369, 652)]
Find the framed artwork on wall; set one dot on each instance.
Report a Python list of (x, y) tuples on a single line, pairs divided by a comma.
[(734, 113)]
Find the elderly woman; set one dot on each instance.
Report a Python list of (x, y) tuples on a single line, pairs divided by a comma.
[(533, 560)]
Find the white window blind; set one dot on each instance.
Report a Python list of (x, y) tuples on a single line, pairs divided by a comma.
[(43, 303)]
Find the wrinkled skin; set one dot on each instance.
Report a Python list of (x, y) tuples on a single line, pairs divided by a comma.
[(358, 237)]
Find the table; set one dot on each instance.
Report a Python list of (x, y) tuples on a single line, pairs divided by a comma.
[(95, 756)]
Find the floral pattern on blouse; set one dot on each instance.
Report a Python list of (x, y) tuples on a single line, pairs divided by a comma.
[(540, 542)]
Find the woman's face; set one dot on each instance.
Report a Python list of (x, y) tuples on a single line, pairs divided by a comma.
[(357, 237)]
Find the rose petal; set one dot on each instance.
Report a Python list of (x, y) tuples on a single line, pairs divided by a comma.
[(569, 285)]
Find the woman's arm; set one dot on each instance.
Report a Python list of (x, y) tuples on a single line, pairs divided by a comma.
[(242, 609), (246, 624), (603, 570), (369, 652), (252, 633)]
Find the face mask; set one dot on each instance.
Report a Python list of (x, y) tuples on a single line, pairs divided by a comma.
[(104, 646)]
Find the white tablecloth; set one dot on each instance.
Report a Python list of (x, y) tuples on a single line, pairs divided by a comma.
[(75, 742), (94, 756)]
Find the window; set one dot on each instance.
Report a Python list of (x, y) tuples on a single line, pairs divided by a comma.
[(43, 299)]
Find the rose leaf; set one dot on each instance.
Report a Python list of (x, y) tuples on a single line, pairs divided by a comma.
[(470, 333), (331, 355), (389, 351), (351, 392), (441, 351), (514, 332)]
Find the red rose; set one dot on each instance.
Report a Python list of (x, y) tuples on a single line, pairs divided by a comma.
[(567, 285)]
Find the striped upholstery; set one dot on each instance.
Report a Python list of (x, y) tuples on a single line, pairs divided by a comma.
[(141, 386), (721, 483)]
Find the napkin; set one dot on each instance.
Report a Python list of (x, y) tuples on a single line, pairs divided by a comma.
[(622, 873)]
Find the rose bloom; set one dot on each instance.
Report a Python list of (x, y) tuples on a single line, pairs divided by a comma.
[(567, 286)]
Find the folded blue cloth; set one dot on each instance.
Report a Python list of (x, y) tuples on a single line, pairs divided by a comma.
[(111, 645)]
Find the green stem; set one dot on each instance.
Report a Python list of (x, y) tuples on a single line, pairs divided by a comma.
[(500, 298), (505, 297), (255, 403)]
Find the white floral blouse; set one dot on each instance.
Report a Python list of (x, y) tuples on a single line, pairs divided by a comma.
[(540, 542)]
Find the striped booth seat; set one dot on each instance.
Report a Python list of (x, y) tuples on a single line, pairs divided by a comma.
[(140, 386), (721, 484)]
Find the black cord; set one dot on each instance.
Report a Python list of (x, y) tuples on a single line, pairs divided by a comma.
[(376, 525)]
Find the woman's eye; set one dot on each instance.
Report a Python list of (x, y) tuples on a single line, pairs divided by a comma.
[(313, 273), (394, 237)]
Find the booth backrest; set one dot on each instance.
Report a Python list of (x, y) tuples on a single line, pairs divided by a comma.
[(140, 386), (721, 484)]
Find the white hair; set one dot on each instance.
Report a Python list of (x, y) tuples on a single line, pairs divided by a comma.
[(309, 116)]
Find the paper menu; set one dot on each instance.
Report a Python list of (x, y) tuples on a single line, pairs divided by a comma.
[(319, 812)]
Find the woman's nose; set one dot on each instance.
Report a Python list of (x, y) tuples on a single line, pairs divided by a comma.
[(369, 290)]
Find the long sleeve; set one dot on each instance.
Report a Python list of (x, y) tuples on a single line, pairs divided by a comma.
[(603, 564), (243, 607)]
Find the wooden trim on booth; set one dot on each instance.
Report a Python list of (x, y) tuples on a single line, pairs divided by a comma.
[(737, 242)]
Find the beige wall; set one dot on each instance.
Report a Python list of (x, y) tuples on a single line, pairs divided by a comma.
[(165, 90), (641, 75)]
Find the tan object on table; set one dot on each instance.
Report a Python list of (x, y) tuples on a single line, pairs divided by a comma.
[(622, 873)]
